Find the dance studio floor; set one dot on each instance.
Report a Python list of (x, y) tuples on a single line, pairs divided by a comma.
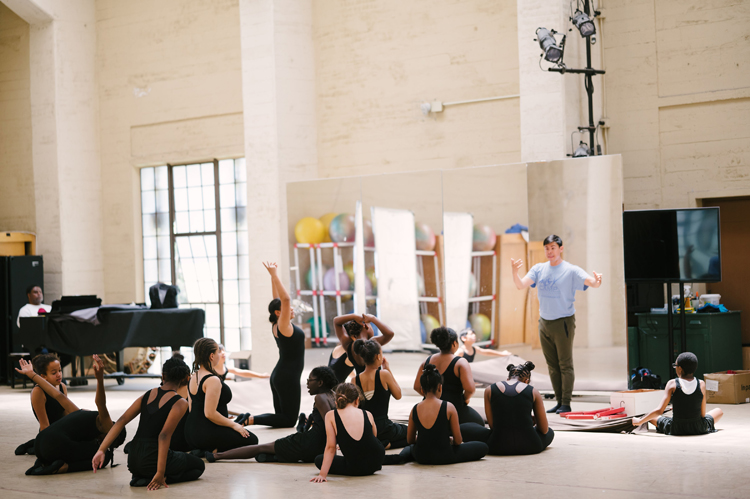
[(576, 465)]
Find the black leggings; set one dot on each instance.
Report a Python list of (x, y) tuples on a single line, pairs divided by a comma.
[(342, 466), (467, 414), (143, 460), (467, 451), (57, 445), (516, 443), (287, 392)]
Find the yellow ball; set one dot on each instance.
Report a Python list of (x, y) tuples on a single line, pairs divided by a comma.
[(326, 221), (309, 230)]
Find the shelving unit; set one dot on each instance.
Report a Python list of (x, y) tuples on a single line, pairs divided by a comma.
[(481, 275)]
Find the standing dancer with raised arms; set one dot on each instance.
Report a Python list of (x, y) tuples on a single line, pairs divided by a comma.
[(557, 282)]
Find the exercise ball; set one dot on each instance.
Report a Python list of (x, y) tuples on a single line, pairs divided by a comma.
[(481, 325), (309, 230), (430, 323), (329, 280), (484, 238), (369, 236), (309, 277), (326, 221), (425, 237), (349, 270), (341, 229), (422, 332), (472, 286), (370, 273), (368, 288), (420, 285)]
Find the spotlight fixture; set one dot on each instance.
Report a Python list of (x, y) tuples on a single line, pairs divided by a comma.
[(584, 23), (582, 150), (548, 44)]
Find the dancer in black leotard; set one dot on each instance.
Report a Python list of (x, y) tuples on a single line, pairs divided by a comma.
[(509, 405), (208, 425), (46, 409), (69, 444), (432, 422), (303, 445), (468, 350), (349, 328), (285, 378), (378, 385), (353, 429), (150, 459), (458, 382)]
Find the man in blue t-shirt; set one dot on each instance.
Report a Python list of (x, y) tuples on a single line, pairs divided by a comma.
[(557, 282)]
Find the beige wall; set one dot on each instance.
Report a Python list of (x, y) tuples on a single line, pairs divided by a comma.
[(677, 98), (17, 207), (169, 91), (376, 61)]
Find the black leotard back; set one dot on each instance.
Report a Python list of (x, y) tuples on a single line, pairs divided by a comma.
[(513, 431), (350, 353), (470, 358), (52, 407), (453, 390), (433, 443), (378, 404), (153, 417), (687, 407), (340, 368), (364, 456)]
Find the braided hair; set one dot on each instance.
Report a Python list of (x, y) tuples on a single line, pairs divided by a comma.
[(347, 393), (175, 371), (202, 349), (431, 379), (367, 349), (521, 371)]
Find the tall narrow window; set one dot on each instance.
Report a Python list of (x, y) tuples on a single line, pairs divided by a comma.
[(195, 236)]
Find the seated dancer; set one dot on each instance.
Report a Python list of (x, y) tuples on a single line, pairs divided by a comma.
[(285, 378), (46, 409), (432, 423), (208, 426), (350, 328), (508, 405), (688, 397), (468, 350), (226, 372), (378, 385), (303, 445), (150, 459), (69, 444), (354, 431), (458, 382)]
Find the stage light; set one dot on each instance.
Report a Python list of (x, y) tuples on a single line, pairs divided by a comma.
[(548, 44), (583, 22), (582, 151)]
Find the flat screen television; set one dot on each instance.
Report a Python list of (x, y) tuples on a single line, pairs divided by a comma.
[(682, 245)]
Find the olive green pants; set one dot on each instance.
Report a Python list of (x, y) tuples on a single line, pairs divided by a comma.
[(557, 344)]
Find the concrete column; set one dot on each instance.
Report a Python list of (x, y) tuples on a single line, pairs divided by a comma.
[(552, 105), (278, 91), (65, 142)]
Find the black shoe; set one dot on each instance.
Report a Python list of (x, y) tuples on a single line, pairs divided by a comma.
[(554, 409), (563, 408), (210, 457), (25, 447), (393, 459), (301, 422), (265, 458), (198, 452), (139, 482)]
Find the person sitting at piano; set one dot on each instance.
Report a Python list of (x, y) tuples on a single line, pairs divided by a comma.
[(36, 296)]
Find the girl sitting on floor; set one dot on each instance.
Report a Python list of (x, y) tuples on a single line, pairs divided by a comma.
[(688, 397), (150, 459)]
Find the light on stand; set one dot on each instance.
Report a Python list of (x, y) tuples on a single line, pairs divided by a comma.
[(583, 22), (548, 44), (582, 150)]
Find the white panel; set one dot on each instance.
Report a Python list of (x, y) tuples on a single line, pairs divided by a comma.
[(397, 275), (458, 230)]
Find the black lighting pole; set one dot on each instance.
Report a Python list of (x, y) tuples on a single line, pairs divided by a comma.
[(589, 84)]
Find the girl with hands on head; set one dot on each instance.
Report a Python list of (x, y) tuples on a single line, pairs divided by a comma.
[(349, 328)]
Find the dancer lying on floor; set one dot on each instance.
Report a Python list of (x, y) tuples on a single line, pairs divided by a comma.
[(303, 445), (378, 385), (688, 396), (354, 431), (46, 409), (508, 405), (208, 426), (350, 328), (69, 444), (458, 382), (434, 432), (468, 351), (150, 460)]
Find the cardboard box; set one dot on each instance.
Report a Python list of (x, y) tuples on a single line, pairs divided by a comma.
[(746, 358), (723, 388), (637, 402)]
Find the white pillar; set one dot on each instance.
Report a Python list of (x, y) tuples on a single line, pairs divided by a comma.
[(278, 91)]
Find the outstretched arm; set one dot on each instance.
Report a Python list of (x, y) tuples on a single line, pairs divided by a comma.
[(519, 282), (492, 353), (669, 390), (246, 373), (385, 331), (280, 292), (105, 421), (594, 282), (130, 414), (28, 370)]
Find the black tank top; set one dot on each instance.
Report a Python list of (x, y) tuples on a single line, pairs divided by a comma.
[(364, 455), (198, 401), (453, 390), (153, 417), (470, 358), (340, 368), (52, 407), (511, 409), (291, 348), (436, 439), (687, 407), (359, 368), (378, 404)]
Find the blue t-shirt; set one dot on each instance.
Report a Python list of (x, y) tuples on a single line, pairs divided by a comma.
[(557, 288)]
